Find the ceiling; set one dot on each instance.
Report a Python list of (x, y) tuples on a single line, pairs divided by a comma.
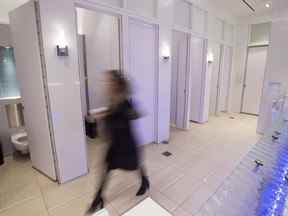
[(239, 9), (8, 5), (234, 7)]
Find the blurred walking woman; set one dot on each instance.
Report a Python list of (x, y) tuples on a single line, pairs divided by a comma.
[(123, 151)]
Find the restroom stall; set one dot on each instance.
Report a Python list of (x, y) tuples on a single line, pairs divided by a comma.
[(50, 91), (99, 51), (199, 82), (254, 79), (215, 51), (220, 68), (100, 44), (29, 70), (180, 80), (225, 78), (189, 83)]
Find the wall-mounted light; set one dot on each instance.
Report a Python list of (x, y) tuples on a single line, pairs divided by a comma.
[(62, 47), (267, 5), (62, 51), (210, 58), (166, 52)]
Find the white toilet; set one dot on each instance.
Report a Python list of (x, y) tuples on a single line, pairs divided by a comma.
[(20, 142)]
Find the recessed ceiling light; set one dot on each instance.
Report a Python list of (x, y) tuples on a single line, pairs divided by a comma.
[(267, 5)]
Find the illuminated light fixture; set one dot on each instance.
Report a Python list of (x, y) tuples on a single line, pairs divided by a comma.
[(62, 51), (267, 5), (166, 52), (62, 48), (210, 58)]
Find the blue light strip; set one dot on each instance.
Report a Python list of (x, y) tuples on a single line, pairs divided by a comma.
[(275, 192)]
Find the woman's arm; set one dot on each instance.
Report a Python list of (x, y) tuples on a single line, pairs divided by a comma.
[(99, 113)]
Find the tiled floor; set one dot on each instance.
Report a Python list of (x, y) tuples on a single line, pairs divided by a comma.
[(201, 159)]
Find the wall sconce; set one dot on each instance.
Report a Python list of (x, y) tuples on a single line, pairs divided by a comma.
[(166, 52), (62, 48), (210, 58), (62, 51)]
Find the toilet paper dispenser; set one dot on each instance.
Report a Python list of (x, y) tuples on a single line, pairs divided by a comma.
[(15, 115)]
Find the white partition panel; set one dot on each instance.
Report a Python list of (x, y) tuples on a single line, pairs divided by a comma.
[(198, 81), (225, 79), (214, 70), (58, 21), (143, 74), (166, 14), (30, 77), (144, 8), (180, 77), (199, 20), (182, 16)]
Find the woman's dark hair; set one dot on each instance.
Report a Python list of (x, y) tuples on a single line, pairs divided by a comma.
[(121, 83)]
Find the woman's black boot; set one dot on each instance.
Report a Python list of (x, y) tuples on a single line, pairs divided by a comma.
[(145, 185)]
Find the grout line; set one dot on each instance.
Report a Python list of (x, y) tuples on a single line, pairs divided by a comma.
[(18, 203), (42, 195)]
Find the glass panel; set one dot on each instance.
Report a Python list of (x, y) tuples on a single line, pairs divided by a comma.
[(199, 20), (144, 8), (228, 33), (260, 34), (8, 83), (216, 28), (182, 13)]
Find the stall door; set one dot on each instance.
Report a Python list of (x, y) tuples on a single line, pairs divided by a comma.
[(214, 70), (180, 66), (225, 78), (252, 89), (142, 73), (198, 76), (29, 73)]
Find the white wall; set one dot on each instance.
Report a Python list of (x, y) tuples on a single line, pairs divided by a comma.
[(102, 51), (165, 15), (277, 64), (276, 70), (5, 131)]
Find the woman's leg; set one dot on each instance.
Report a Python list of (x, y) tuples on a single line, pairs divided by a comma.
[(98, 202), (145, 185)]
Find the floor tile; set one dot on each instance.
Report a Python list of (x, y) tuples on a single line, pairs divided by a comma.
[(127, 200), (32, 207), (201, 160), (162, 200), (18, 194), (61, 194)]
